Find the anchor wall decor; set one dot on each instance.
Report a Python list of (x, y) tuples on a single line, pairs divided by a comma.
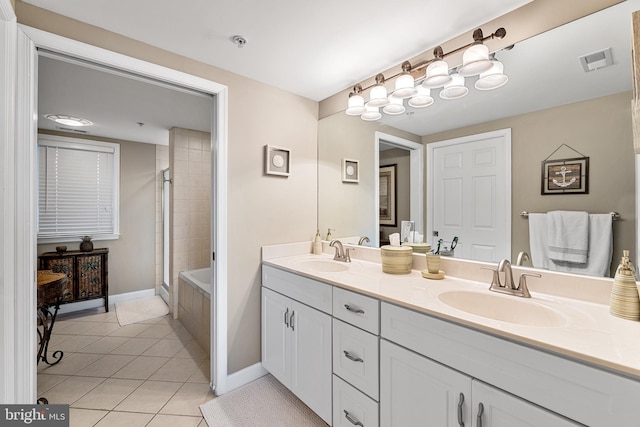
[(565, 176)]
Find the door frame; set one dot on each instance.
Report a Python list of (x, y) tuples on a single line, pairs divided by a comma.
[(502, 133), (13, 387), (416, 193), (29, 40)]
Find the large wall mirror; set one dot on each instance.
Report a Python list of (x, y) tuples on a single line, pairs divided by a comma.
[(549, 103)]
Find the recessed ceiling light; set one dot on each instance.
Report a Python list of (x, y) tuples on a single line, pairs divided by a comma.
[(68, 120)]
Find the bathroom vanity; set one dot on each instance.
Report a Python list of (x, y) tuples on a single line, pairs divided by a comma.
[(365, 348)]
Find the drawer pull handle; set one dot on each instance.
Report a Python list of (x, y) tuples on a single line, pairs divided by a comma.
[(291, 320), (286, 318), (352, 420), (352, 357), (460, 402), (354, 309), (480, 412)]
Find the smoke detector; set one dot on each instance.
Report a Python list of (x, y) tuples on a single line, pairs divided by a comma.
[(596, 60)]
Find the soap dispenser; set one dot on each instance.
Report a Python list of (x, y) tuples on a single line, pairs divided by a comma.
[(625, 302), (329, 238), (317, 244)]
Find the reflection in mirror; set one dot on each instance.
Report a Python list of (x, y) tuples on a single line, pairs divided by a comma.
[(549, 101)]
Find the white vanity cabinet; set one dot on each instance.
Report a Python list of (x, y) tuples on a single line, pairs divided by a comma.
[(296, 340), (414, 388)]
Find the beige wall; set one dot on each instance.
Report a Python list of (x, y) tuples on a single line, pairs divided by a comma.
[(261, 209), (132, 256), (402, 158), (348, 207), (600, 129)]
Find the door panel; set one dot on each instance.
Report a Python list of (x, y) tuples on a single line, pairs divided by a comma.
[(472, 195)]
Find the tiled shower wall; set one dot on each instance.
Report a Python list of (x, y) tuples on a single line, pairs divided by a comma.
[(190, 203)]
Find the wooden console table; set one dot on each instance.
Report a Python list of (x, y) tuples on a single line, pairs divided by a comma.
[(50, 290)]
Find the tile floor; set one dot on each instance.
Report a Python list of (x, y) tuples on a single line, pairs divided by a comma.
[(146, 374)]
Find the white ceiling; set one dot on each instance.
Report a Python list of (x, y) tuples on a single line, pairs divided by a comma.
[(311, 48), (544, 71)]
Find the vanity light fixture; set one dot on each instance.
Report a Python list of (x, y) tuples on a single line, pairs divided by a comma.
[(68, 120), (476, 61)]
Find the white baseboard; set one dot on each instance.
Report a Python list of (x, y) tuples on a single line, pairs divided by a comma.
[(245, 376), (99, 302)]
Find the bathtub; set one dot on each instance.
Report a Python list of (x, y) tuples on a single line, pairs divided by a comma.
[(199, 279), (194, 305)]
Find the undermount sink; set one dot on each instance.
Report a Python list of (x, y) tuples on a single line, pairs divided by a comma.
[(324, 266), (504, 308)]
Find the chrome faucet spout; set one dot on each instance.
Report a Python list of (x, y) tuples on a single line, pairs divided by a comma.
[(522, 256), (505, 267), (340, 252), (362, 240)]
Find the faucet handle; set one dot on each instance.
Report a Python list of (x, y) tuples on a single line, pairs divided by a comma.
[(495, 281), (522, 284), (347, 257)]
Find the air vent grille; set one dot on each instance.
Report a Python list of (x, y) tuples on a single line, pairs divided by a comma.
[(596, 60), (71, 130)]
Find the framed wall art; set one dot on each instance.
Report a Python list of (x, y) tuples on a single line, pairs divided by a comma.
[(277, 160), (387, 195), (350, 170), (565, 176)]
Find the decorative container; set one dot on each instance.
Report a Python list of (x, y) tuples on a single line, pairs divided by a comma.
[(419, 248), (624, 301), (61, 249), (86, 245), (396, 259)]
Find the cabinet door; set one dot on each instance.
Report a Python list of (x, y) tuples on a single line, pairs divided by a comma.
[(63, 265), (311, 358), (496, 408), (90, 273), (416, 391), (275, 334)]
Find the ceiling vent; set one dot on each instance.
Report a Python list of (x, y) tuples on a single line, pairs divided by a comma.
[(596, 60), (70, 130)]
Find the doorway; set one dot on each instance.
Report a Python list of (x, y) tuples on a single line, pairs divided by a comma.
[(29, 40), (469, 195), (416, 179)]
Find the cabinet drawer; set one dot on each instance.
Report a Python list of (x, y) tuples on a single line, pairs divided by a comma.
[(308, 291), (351, 407), (356, 357), (356, 309)]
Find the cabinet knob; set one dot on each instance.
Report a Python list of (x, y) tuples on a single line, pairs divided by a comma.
[(352, 357), (351, 419), (355, 310)]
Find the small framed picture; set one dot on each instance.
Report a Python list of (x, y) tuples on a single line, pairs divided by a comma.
[(565, 176), (350, 170), (277, 160)]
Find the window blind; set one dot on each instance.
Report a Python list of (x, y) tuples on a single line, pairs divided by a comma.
[(77, 189)]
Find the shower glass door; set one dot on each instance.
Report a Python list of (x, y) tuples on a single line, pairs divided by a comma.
[(166, 186)]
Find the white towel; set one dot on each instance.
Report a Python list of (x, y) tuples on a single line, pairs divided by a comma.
[(568, 236), (539, 249), (600, 249)]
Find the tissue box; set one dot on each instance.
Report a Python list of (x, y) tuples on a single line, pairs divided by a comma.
[(396, 259)]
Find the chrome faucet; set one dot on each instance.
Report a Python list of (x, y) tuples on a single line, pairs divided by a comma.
[(342, 254), (362, 240), (509, 286), (522, 256)]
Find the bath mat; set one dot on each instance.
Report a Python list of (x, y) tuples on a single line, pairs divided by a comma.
[(137, 310), (264, 402)]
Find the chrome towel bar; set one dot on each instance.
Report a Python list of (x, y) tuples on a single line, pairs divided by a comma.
[(614, 215)]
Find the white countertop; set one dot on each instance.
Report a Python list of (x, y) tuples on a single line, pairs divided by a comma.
[(587, 331)]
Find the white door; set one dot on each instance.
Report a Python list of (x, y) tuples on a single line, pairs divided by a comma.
[(470, 195), (495, 408), (311, 358), (416, 391)]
